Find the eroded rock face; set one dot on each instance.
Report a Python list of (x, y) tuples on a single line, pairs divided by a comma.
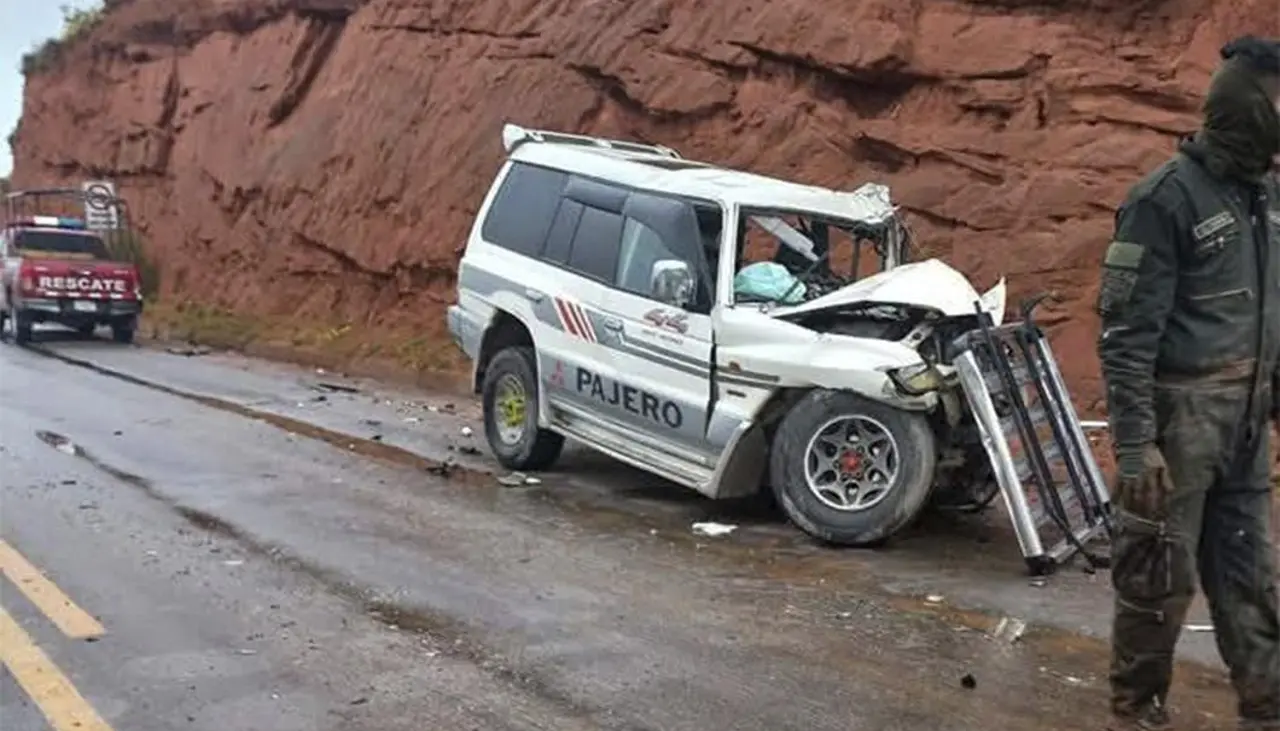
[(327, 156)]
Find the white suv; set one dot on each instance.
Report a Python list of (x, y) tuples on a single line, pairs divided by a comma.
[(612, 292)]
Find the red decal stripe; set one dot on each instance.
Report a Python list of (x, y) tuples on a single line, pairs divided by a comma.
[(566, 320), (588, 333)]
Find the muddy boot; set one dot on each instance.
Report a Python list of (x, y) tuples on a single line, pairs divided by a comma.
[(1153, 719)]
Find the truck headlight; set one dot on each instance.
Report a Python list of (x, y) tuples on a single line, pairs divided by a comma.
[(918, 379)]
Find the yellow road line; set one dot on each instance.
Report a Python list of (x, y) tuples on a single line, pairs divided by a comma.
[(57, 698), (71, 619)]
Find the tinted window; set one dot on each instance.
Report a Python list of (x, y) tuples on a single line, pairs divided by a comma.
[(595, 244), (560, 238), (522, 210), (642, 247), (62, 242)]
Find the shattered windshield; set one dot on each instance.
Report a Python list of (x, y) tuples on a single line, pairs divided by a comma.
[(790, 258)]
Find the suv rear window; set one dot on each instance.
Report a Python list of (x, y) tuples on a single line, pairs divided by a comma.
[(522, 211), (62, 242)]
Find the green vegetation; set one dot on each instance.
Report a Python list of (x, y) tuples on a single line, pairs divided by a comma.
[(126, 245), (76, 22)]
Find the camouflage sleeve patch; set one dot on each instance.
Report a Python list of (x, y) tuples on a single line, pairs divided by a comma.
[(1119, 276), (1116, 290)]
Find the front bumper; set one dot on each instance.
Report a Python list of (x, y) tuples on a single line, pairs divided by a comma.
[(1053, 489)]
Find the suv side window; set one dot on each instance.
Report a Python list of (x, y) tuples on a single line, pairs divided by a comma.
[(642, 247), (565, 225), (596, 244), (523, 210)]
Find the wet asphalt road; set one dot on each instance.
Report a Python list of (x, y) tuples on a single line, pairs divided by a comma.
[(269, 552)]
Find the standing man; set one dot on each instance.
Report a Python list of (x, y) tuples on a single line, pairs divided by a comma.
[(1190, 347)]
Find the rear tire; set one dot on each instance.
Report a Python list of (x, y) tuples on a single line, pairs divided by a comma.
[(892, 489), (510, 395), (22, 326), (122, 332)]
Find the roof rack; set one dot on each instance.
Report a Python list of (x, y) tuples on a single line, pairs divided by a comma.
[(514, 135), (59, 208)]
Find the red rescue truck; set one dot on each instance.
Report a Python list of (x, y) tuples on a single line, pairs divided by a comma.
[(57, 270)]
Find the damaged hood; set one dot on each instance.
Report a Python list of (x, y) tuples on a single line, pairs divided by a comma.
[(929, 284)]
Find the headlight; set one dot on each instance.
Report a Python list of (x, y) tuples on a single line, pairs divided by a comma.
[(918, 379)]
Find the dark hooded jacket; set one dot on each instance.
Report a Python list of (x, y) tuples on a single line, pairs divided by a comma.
[(1190, 289)]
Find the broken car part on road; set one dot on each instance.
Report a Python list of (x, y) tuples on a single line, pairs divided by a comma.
[(719, 331)]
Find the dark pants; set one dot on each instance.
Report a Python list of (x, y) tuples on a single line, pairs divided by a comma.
[(1219, 527)]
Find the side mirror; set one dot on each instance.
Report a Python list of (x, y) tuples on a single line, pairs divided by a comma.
[(671, 282)]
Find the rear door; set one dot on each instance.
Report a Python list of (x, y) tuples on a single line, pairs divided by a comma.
[(583, 243)]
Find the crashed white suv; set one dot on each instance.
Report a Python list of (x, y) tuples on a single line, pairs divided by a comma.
[(601, 297)]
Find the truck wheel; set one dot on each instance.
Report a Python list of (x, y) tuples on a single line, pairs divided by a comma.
[(850, 471), (21, 328), (510, 399), (86, 331), (122, 332)]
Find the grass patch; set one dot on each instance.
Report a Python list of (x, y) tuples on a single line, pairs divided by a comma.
[(409, 352), (76, 23)]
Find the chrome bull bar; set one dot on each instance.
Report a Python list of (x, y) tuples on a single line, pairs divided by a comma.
[(1053, 489)]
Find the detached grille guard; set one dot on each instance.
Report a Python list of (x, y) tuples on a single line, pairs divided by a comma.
[(1053, 489)]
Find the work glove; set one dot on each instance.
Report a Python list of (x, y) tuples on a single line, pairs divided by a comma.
[(1143, 486)]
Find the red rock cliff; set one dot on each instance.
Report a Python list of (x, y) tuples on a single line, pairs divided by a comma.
[(327, 156)]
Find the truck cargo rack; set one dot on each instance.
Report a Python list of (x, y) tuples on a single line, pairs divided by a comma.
[(1052, 487)]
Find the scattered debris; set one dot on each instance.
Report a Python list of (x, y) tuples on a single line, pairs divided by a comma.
[(713, 530), (88, 506), (68, 482), (466, 431), (467, 449), (233, 562), (443, 469), (968, 682), (188, 350), (933, 599), (411, 420), (1009, 629), (246, 652), (1198, 627), (376, 438), (359, 702), (515, 479), (371, 422), (532, 481), (117, 433), (1039, 582), (335, 387)]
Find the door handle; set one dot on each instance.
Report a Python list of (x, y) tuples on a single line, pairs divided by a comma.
[(612, 323), (533, 295)]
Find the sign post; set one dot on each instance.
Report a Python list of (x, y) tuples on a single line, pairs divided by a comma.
[(100, 210)]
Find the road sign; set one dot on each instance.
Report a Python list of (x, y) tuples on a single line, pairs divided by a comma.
[(100, 210)]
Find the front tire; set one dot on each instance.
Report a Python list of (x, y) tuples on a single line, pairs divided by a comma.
[(510, 399), (851, 471)]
